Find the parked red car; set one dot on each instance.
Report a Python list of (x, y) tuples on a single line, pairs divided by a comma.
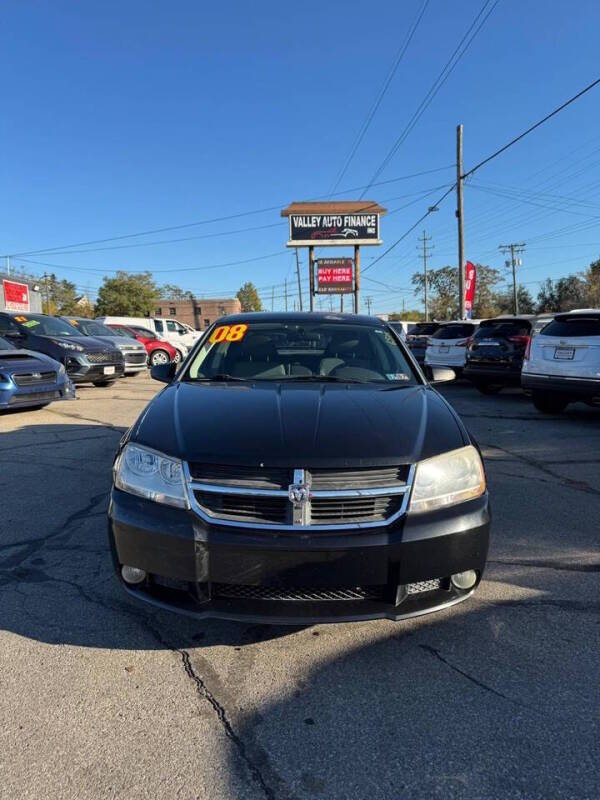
[(159, 351)]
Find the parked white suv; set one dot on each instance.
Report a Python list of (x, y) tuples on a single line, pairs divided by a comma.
[(447, 346), (562, 363), (181, 336)]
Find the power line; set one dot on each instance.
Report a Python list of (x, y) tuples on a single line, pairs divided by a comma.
[(386, 84), (532, 128), (434, 89), (67, 247)]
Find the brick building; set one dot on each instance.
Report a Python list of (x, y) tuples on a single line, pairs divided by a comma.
[(198, 313)]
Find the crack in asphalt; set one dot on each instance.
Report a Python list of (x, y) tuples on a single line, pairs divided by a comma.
[(434, 652), (581, 486)]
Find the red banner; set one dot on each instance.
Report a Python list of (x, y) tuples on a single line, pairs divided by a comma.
[(16, 296), (470, 281)]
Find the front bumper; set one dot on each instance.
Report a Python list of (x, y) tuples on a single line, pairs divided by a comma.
[(206, 570), (80, 371), (135, 361), (584, 388), (12, 396)]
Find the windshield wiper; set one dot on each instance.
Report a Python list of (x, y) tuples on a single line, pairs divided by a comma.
[(322, 379), (221, 376)]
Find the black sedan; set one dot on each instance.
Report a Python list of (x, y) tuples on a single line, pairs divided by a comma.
[(299, 468)]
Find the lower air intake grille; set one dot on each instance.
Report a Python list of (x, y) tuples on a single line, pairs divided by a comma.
[(298, 593), (33, 396), (332, 510), (424, 586), (244, 507)]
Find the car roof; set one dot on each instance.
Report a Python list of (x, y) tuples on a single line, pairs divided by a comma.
[(512, 318), (302, 316), (587, 313)]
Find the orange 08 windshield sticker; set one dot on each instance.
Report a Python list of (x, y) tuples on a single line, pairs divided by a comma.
[(228, 333)]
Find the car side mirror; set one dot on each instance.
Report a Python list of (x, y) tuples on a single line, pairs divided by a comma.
[(439, 374), (163, 372)]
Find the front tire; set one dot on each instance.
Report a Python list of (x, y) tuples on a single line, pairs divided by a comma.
[(159, 357), (178, 357), (549, 404)]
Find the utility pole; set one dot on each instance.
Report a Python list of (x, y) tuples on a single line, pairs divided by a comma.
[(341, 304), (45, 277), (286, 308), (514, 250), (460, 219), (330, 303), (368, 301), (426, 252), (299, 282), (8, 265), (272, 298)]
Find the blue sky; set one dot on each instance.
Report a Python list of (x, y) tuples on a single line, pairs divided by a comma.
[(120, 117)]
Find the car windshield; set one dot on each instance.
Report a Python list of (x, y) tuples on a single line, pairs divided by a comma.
[(503, 329), (321, 351), (90, 327), (423, 328), (6, 345), (458, 331), (42, 325), (144, 332), (574, 326)]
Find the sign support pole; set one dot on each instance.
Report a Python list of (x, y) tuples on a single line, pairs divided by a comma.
[(311, 273), (356, 278)]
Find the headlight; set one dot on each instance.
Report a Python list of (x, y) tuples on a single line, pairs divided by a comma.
[(146, 473), (68, 345), (447, 479)]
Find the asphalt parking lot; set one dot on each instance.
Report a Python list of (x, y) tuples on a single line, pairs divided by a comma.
[(496, 698)]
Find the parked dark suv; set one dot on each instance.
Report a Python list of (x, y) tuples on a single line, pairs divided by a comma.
[(495, 354), (85, 359), (299, 468), (418, 336)]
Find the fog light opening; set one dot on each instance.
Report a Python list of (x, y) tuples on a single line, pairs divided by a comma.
[(464, 580), (133, 574)]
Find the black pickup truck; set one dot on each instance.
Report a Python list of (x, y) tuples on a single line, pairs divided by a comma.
[(299, 468)]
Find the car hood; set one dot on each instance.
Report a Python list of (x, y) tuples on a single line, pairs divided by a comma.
[(299, 425), (20, 359), (119, 342), (89, 343)]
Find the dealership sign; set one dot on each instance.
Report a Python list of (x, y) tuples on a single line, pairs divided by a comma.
[(333, 229), (335, 276), (471, 280), (16, 296)]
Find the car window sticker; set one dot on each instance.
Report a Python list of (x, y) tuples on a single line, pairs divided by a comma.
[(31, 323), (228, 333)]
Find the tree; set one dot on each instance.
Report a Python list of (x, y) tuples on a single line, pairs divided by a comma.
[(592, 280), (58, 297), (171, 292), (248, 297), (411, 314), (127, 295), (563, 295), (442, 291), (504, 301)]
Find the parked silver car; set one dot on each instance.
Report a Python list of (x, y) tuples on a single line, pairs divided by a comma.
[(134, 352)]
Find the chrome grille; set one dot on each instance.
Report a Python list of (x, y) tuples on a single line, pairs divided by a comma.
[(136, 357), (252, 477), (298, 593), (353, 509), (297, 499), (107, 357), (33, 378), (244, 507)]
